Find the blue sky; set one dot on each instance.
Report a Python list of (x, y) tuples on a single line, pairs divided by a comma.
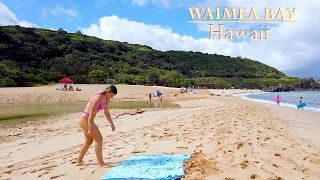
[(162, 24), (72, 14)]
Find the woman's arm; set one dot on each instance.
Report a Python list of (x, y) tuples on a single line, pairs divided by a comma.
[(108, 116), (95, 102)]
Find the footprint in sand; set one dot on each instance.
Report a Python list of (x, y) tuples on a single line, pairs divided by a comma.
[(136, 152), (276, 178), (11, 166), (182, 147), (47, 168), (277, 154), (43, 174), (275, 165), (307, 171), (244, 164), (240, 145), (254, 176), (200, 145), (55, 177), (45, 163), (8, 172)]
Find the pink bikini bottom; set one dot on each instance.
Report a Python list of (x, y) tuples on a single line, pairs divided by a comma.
[(85, 112)]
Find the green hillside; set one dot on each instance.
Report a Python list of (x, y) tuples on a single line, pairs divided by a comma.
[(30, 56)]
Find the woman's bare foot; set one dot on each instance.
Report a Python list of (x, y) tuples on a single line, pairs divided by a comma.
[(104, 165), (79, 163)]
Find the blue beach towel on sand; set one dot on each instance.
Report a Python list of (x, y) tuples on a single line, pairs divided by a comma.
[(149, 167)]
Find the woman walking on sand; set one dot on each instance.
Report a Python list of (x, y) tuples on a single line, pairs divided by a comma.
[(99, 101)]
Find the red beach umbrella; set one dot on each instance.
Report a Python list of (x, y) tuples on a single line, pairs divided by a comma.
[(65, 80)]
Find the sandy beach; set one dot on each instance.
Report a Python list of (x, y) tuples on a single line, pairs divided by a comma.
[(227, 137)]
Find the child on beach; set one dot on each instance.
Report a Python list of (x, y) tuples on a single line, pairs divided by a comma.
[(99, 101), (300, 102)]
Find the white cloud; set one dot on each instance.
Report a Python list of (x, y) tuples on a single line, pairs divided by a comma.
[(142, 3), (61, 11), (291, 45), (9, 18), (163, 3), (102, 3)]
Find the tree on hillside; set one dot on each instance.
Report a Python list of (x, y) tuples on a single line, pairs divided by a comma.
[(79, 32), (97, 77), (45, 56)]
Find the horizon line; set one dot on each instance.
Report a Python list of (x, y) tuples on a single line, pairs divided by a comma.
[(249, 20)]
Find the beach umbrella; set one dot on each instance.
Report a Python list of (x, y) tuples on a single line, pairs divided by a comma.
[(65, 80)]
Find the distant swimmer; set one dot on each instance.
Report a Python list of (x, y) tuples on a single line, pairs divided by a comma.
[(100, 101)]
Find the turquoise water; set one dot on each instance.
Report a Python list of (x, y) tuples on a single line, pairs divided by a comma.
[(289, 99), (16, 113)]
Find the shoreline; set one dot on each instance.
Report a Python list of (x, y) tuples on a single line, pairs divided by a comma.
[(288, 105)]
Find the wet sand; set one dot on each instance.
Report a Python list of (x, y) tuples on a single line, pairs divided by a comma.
[(228, 138)]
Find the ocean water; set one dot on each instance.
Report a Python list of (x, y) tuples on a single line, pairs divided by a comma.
[(289, 99)]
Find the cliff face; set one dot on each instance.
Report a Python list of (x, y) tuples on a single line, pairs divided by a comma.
[(281, 88)]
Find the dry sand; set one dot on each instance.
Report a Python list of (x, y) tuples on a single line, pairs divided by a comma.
[(48, 94), (228, 138)]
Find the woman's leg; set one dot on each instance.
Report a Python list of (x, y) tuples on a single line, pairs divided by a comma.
[(84, 149), (83, 122), (97, 137)]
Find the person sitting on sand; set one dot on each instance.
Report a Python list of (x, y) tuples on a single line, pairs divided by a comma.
[(71, 88), (65, 86), (78, 89), (99, 101)]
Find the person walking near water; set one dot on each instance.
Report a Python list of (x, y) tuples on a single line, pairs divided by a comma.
[(300, 102), (278, 100), (100, 101)]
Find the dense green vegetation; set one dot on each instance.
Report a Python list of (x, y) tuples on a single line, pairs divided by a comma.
[(30, 56)]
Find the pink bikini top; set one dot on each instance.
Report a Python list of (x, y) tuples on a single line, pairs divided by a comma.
[(100, 106)]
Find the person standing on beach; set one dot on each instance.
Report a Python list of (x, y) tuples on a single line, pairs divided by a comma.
[(300, 102), (278, 100), (99, 101)]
